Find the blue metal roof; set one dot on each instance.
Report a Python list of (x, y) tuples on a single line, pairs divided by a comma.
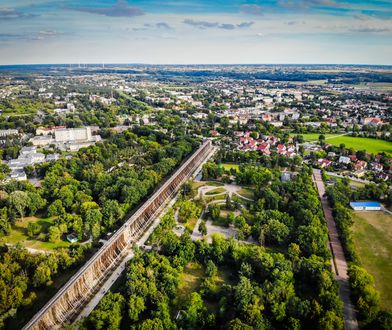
[(365, 204)]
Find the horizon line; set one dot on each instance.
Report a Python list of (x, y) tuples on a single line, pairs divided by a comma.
[(104, 64)]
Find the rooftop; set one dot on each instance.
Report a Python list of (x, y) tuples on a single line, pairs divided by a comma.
[(364, 204)]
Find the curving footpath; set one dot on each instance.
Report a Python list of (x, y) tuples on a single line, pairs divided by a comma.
[(339, 263)]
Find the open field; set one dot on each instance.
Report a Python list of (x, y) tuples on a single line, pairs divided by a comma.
[(315, 136), (358, 143), (18, 234), (374, 146), (372, 234)]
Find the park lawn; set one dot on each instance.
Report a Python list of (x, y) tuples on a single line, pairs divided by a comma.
[(246, 192), (228, 166), (190, 280), (215, 198), (372, 235), (215, 191), (214, 184), (197, 184), (18, 234)]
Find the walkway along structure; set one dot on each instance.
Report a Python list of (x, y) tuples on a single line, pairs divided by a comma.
[(72, 297)]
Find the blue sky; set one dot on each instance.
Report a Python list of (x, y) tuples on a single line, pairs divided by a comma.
[(196, 31)]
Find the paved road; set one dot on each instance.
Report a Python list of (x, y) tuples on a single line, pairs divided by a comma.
[(350, 320)]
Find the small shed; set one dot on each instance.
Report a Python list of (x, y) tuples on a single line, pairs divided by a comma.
[(365, 206), (285, 176), (72, 238)]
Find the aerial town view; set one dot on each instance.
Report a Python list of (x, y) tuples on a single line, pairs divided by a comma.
[(196, 164)]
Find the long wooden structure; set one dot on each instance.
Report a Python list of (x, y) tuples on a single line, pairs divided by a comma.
[(74, 295)]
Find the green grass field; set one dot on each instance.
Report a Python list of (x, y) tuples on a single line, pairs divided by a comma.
[(373, 146), (190, 281), (18, 234), (214, 184), (228, 167), (315, 136), (216, 191), (372, 234), (208, 199), (247, 193)]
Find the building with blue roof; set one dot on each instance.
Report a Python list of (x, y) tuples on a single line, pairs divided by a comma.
[(366, 206)]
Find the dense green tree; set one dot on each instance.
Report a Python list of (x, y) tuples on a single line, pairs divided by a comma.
[(237, 324), (136, 305), (111, 213), (36, 203), (54, 234), (276, 232), (203, 228), (33, 229), (42, 275), (108, 313), (214, 211), (243, 294), (56, 208), (5, 224), (19, 200)]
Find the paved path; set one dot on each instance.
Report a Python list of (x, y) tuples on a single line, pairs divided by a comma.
[(340, 264), (31, 250)]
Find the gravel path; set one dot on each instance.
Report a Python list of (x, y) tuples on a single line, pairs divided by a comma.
[(340, 271)]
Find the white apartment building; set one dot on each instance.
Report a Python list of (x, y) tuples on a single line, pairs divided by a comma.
[(7, 132), (73, 134)]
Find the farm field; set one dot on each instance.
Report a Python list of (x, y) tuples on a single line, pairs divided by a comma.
[(372, 235), (18, 234), (358, 143)]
